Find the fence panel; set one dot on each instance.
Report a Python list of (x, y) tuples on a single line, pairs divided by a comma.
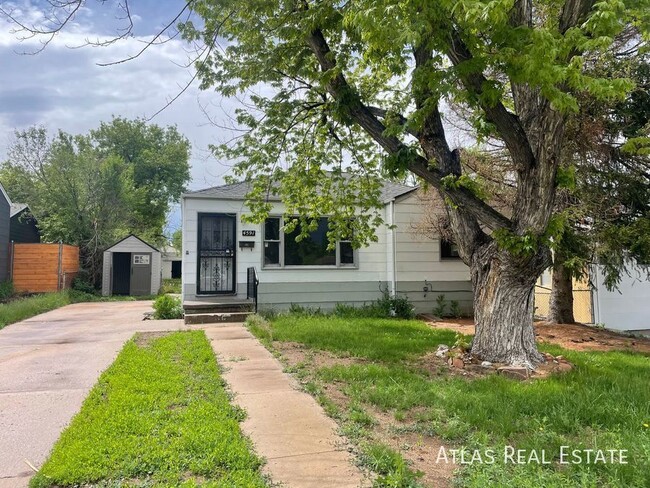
[(38, 268), (582, 306)]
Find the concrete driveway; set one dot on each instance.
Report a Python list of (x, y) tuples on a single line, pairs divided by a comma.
[(48, 364)]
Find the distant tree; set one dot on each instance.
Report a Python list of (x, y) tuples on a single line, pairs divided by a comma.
[(177, 240), (85, 192)]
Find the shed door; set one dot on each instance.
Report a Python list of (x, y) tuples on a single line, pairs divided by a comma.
[(216, 264), (141, 273), (121, 273)]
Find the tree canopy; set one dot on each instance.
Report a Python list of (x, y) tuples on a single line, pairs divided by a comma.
[(93, 189)]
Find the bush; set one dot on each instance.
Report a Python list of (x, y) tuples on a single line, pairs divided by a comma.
[(6, 290), (167, 307), (82, 286)]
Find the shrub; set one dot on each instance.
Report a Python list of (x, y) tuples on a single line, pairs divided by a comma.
[(395, 306), (167, 307), (440, 310), (6, 290)]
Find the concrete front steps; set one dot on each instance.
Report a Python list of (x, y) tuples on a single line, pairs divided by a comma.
[(223, 310)]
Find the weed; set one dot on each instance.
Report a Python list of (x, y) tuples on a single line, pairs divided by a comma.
[(440, 310), (167, 307)]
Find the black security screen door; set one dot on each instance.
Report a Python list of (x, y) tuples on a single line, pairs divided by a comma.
[(216, 271)]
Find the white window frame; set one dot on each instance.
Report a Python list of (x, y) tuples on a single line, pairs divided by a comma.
[(338, 265)]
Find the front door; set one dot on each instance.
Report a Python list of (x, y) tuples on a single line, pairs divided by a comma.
[(216, 264), (141, 273)]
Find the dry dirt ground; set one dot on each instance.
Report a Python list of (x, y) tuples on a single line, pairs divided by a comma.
[(417, 448), (579, 337)]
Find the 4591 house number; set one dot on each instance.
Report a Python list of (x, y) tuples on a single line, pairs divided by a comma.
[(248, 233)]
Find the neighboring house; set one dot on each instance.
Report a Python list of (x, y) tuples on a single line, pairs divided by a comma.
[(171, 263), (23, 227), (131, 267), (624, 309), (218, 248), (5, 205), (627, 308)]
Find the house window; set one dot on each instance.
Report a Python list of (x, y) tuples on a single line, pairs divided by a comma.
[(282, 249), (140, 259), (272, 242), (448, 250)]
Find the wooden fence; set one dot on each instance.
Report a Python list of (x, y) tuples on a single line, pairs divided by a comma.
[(39, 268)]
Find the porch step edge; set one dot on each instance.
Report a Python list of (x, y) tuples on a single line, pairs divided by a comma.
[(216, 318)]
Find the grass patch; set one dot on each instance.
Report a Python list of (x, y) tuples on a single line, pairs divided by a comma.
[(170, 285), (24, 308), (375, 339), (604, 403), (159, 416)]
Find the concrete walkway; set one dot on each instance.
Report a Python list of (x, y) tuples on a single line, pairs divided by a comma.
[(288, 428), (48, 364)]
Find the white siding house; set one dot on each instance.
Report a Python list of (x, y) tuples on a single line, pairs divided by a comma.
[(401, 262)]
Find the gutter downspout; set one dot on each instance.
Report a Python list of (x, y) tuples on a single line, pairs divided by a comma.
[(393, 259)]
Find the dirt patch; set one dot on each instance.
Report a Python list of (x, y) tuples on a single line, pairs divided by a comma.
[(578, 337), (420, 450), (143, 339)]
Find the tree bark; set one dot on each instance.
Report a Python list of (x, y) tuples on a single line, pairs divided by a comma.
[(504, 288), (561, 302)]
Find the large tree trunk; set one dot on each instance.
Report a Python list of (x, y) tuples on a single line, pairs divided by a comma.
[(561, 302), (503, 305)]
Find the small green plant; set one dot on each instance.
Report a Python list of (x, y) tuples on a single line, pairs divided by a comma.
[(393, 470), (301, 311), (454, 309), (6, 290), (167, 307), (440, 310), (461, 342), (260, 327), (395, 306)]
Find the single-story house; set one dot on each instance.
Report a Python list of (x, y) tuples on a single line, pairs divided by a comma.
[(23, 226), (172, 262), (219, 248), (5, 205), (623, 309), (131, 267)]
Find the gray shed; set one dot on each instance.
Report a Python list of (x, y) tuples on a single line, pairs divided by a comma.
[(131, 267)]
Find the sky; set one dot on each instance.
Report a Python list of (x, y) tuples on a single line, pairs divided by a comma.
[(63, 87)]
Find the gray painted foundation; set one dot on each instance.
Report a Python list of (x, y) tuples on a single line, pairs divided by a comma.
[(325, 295)]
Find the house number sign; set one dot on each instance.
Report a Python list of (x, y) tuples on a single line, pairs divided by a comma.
[(248, 233)]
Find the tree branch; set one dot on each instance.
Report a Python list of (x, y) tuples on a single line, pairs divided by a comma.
[(340, 89), (507, 124)]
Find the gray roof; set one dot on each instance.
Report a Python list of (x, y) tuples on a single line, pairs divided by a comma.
[(16, 208), (238, 191)]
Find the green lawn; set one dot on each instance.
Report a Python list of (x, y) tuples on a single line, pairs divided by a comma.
[(604, 403), (159, 416)]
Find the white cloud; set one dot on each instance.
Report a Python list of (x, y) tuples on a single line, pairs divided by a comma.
[(63, 88)]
